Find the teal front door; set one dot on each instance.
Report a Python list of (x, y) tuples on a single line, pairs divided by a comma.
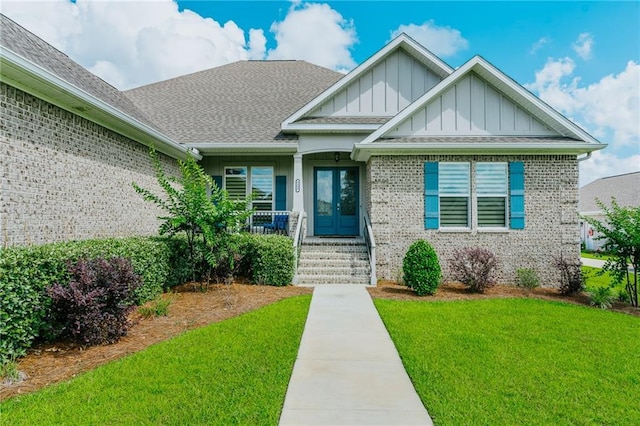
[(335, 194)]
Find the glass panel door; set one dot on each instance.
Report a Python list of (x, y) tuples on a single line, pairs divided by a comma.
[(336, 201)]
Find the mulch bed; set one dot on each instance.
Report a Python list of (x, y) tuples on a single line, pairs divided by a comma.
[(191, 307)]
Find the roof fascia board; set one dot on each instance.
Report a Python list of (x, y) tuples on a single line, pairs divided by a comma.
[(315, 128), (245, 148), (362, 151), (31, 72), (482, 67), (402, 39)]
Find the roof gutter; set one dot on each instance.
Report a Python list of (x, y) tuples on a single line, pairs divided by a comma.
[(363, 151), (586, 157), (37, 81)]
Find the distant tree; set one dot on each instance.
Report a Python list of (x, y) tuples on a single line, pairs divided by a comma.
[(620, 232), (194, 205)]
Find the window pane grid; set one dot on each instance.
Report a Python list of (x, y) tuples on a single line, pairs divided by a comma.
[(454, 179), (454, 212), (492, 212)]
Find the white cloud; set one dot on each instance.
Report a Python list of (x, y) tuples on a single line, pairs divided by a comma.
[(257, 44), (315, 33), (442, 41), (602, 164), (130, 43), (583, 45), (611, 105), (539, 45), (609, 109)]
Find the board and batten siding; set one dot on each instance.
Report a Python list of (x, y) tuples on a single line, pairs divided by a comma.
[(386, 89), (475, 108)]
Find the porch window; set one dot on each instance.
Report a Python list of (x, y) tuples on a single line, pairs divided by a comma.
[(454, 190), (492, 191), (262, 188), (243, 181)]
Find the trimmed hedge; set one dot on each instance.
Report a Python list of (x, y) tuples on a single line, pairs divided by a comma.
[(26, 272), (269, 259)]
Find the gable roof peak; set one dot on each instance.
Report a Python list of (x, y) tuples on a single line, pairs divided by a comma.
[(402, 41), (512, 89)]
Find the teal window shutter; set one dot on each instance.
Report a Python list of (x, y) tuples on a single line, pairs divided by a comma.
[(516, 195), (431, 204), (217, 180), (281, 192)]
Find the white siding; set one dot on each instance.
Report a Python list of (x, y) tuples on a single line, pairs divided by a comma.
[(472, 107), (390, 86)]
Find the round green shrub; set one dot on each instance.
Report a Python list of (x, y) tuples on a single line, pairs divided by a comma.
[(421, 268)]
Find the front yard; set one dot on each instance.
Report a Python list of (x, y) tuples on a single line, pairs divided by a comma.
[(496, 358), (232, 372), (518, 361)]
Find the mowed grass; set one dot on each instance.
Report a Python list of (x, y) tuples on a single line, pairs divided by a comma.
[(519, 361), (592, 255), (232, 372)]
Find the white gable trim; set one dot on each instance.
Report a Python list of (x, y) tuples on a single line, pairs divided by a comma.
[(522, 97), (420, 52)]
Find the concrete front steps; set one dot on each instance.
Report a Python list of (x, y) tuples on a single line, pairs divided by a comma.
[(334, 261)]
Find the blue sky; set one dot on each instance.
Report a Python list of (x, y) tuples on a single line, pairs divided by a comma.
[(582, 58)]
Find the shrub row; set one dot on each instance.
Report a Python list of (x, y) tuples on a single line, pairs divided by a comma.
[(26, 273)]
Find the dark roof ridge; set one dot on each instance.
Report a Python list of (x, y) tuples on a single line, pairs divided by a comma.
[(621, 174)]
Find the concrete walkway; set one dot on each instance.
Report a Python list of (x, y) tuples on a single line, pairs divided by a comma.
[(348, 371), (594, 263)]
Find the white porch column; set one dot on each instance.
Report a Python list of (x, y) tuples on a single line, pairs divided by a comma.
[(298, 199)]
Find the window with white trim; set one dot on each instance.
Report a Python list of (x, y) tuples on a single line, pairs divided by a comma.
[(242, 181), (454, 188), (497, 195), (491, 194)]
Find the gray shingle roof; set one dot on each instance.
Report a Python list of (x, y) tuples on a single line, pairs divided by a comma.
[(242, 102), (26, 44), (625, 188)]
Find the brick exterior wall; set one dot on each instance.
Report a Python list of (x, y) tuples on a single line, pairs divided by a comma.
[(63, 177), (395, 201)]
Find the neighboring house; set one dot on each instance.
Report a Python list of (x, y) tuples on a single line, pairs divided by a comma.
[(624, 188), (404, 143)]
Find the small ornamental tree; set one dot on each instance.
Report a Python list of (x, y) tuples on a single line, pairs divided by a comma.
[(421, 268), (194, 205), (620, 232)]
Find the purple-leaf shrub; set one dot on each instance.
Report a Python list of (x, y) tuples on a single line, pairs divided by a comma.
[(93, 307), (474, 267)]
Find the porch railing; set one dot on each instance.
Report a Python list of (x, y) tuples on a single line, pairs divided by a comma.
[(371, 247), (270, 222), (298, 237)]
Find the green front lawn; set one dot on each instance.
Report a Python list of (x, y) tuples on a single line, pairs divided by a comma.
[(518, 361), (232, 372), (592, 255)]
